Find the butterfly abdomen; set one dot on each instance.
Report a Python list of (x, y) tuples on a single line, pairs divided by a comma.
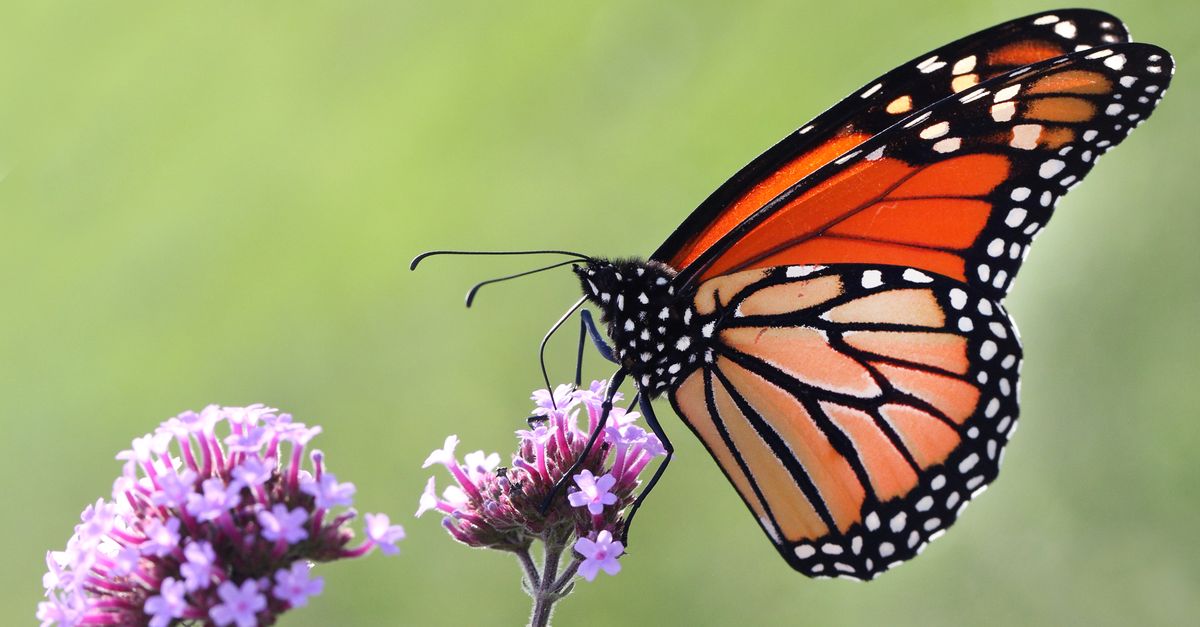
[(655, 331)]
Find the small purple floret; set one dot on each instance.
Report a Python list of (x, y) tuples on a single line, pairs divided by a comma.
[(282, 524), (593, 493), (598, 555), (293, 586), (383, 534), (239, 605), (168, 605)]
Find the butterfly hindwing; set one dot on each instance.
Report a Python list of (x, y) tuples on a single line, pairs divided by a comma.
[(881, 103), (856, 408), (961, 188)]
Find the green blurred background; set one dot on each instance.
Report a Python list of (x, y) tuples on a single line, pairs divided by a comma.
[(218, 203)]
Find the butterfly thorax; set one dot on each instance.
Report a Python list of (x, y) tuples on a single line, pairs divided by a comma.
[(652, 324)]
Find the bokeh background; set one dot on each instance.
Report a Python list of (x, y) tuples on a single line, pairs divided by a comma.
[(217, 202)]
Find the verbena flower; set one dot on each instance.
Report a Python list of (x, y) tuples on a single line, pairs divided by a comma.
[(208, 529), (506, 508), (598, 555)]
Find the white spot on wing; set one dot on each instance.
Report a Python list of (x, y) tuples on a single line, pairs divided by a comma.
[(917, 120), (1025, 136), (1004, 111), (1050, 168), (1066, 29), (958, 298), (848, 156), (973, 96), (872, 278), (916, 276), (1007, 93), (950, 144), (934, 131), (1015, 217), (964, 65)]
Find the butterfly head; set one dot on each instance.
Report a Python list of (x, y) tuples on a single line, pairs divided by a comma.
[(650, 321), (610, 284)]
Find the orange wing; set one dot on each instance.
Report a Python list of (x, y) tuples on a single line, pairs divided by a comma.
[(881, 103), (962, 188), (857, 409)]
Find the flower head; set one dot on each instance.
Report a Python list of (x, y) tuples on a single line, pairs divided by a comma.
[(506, 508), (198, 523)]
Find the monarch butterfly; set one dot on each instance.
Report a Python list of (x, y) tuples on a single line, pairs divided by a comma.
[(829, 321)]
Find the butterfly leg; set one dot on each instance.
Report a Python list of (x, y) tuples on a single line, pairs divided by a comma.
[(588, 325), (648, 413), (614, 383)]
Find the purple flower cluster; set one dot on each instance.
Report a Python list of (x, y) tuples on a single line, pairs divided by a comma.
[(502, 507), (222, 531)]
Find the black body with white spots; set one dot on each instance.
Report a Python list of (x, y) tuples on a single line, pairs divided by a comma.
[(656, 334)]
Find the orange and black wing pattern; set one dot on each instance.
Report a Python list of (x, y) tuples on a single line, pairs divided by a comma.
[(856, 408), (859, 376), (891, 98), (961, 188)]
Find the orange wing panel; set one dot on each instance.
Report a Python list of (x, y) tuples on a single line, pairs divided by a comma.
[(901, 306), (1024, 52), (890, 473), (832, 249), (949, 223), (763, 192), (829, 471), (881, 212), (947, 351), (954, 397), (796, 516), (790, 297), (804, 354), (927, 439), (692, 402)]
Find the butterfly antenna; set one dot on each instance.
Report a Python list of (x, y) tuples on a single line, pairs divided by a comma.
[(546, 339), (475, 290), (432, 253)]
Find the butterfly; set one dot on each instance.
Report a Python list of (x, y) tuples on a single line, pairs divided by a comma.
[(830, 322)]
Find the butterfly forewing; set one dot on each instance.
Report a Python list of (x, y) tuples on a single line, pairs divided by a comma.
[(856, 408), (961, 188), (881, 103)]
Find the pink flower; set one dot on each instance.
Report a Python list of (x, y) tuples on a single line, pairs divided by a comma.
[(168, 605), (593, 492), (239, 604), (598, 555), (294, 585), (283, 525), (194, 510), (509, 508), (444, 455), (383, 534)]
